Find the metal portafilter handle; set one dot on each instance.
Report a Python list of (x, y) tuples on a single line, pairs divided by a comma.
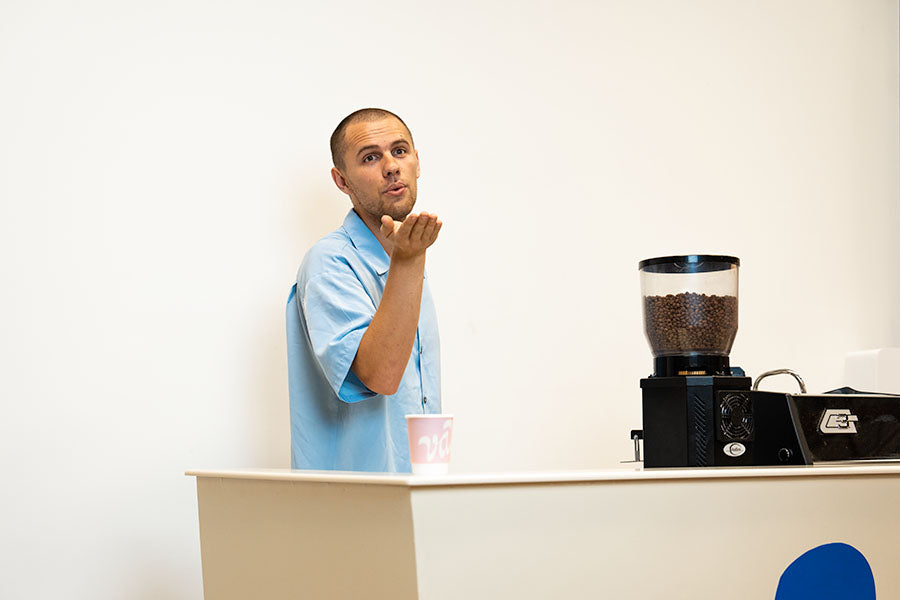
[(780, 372)]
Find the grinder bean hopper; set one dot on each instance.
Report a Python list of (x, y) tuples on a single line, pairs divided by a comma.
[(690, 312)]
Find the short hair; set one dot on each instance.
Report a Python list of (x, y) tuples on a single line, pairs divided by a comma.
[(338, 143)]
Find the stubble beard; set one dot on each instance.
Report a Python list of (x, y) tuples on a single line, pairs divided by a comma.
[(378, 206), (399, 211)]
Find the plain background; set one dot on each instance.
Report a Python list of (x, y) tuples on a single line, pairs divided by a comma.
[(164, 167)]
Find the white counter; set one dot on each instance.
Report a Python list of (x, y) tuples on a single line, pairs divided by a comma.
[(619, 533), (626, 473)]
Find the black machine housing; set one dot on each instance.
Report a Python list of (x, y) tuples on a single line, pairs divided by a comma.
[(700, 421)]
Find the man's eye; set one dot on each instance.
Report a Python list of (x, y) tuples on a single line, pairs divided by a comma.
[(398, 151), (368, 158)]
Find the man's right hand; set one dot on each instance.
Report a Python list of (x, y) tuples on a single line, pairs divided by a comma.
[(411, 237), (386, 345)]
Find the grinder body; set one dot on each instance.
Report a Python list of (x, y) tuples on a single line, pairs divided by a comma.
[(704, 421)]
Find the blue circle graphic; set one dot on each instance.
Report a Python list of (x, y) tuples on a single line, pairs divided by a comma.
[(829, 572)]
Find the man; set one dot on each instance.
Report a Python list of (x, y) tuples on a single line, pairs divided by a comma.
[(363, 347)]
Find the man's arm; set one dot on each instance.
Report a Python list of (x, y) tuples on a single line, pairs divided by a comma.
[(386, 346)]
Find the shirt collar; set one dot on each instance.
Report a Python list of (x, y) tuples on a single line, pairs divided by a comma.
[(366, 243)]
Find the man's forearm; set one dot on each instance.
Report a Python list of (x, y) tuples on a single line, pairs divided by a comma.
[(386, 346)]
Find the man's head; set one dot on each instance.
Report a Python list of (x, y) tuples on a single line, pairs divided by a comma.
[(375, 163), (339, 142)]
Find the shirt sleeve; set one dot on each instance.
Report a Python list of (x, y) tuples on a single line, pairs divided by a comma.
[(338, 311)]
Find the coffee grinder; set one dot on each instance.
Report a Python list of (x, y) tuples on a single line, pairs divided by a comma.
[(690, 306), (699, 411)]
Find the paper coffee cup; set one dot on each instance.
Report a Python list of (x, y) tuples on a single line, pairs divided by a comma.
[(429, 443)]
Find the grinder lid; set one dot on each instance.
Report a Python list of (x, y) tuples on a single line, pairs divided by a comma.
[(689, 263)]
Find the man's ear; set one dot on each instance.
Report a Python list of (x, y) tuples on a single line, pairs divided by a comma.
[(340, 180), (418, 165)]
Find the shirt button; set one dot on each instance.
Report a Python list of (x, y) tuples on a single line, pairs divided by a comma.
[(425, 400), (421, 350)]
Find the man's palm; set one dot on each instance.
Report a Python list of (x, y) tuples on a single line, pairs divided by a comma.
[(414, 235)]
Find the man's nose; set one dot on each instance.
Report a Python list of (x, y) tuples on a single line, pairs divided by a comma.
[(390, 165)]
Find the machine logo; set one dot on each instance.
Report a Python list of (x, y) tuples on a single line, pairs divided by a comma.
[(734, 449), (838, 420)]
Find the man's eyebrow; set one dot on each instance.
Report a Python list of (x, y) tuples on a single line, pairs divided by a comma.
[(371, 147)]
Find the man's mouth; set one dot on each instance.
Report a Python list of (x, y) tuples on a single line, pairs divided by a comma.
[(396, 189)]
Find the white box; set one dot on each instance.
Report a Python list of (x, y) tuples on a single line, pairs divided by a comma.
[(874, 370)]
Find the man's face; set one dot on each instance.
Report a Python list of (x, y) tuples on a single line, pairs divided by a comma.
[(380, 168)]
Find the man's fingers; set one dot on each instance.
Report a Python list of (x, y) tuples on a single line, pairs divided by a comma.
[(428, 230), (408, 224), (416, 233), (408, 227), (433, 233), (387, 226), (437, 228)]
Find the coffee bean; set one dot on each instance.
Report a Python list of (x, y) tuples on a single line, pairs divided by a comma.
[(690, 322)]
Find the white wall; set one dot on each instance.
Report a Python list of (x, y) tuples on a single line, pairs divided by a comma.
[(164, 166)]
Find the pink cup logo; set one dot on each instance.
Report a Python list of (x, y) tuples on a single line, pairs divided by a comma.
[(429, 439), (436, 447)]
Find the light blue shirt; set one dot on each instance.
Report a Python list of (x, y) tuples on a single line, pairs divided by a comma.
[(336, 421)]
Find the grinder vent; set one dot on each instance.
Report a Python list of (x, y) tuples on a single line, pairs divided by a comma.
[(736, 412)]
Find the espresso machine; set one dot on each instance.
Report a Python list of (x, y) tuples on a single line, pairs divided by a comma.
[(699, 411)]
